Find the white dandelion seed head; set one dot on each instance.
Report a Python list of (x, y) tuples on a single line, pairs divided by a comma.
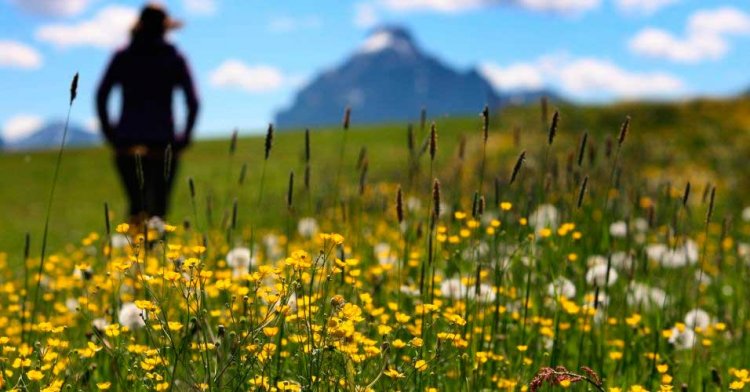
[(618, 229), (697, 318), (413, 204), (307, 227), (486, 293), (100, 323), (239, 257), (409, 290), (681, 256), (646, 296), (383, 254), (597, 275), (622, 261), (156, 223), (592, 299), (561, 287), (595, 260), (452, 288), (130, 316), (119, 241), (682, 340), (545, 216), (72, 304), (640, 225), (701, 277)]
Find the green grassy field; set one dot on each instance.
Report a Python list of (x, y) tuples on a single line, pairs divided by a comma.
[(616, 265), (703, 142)]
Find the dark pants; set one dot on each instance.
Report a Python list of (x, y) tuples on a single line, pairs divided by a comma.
[(147, 194)]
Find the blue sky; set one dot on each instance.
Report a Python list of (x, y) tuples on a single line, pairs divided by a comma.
[(250, 56)]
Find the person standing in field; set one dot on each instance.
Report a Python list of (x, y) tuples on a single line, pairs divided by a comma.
[(146, 145)]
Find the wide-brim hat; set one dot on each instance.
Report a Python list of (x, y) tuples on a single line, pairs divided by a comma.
[(155, 17)]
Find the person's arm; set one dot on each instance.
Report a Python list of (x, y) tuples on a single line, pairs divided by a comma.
[(102, 96), (185, 82)]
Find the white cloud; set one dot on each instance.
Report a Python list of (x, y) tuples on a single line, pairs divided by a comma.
[(107, 29), (646, 7), (514, 77), (21, 126), (589, 76), (706, 37), (17, 55), (563, 6), (53, 7), (454, 6), (725, 20), (582, 78), (286, 24), (658, 43), (447, 6), (365, 15), (234, 74), (200, 7)]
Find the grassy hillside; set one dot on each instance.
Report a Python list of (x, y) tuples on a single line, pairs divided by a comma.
[(668, 142), (606, 268)]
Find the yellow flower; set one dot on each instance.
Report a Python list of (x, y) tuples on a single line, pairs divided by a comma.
[(736, 385), (505, 206), (522, 348), (633, 320), (104, 385), (421, 365), (402, 318), (174, 325), (144, 305), (393, 373), (34, 375), (662, 368)]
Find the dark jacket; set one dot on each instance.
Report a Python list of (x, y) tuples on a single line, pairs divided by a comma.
[(147, 71)]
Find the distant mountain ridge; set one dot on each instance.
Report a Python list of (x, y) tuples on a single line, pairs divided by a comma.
[(389, 78), (50, 135)]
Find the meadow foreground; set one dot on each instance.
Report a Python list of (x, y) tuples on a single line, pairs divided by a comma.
[(491, 264)]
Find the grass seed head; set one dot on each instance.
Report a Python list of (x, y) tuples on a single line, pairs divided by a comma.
[(582, 148), (486, 123), (243, 173), (399, 205), (347, 117), (74, 88), (553, 127), (290, 190), (233, 142), (623, 131), (582, 191), (269, 141), (517, 167), (710, 211)]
